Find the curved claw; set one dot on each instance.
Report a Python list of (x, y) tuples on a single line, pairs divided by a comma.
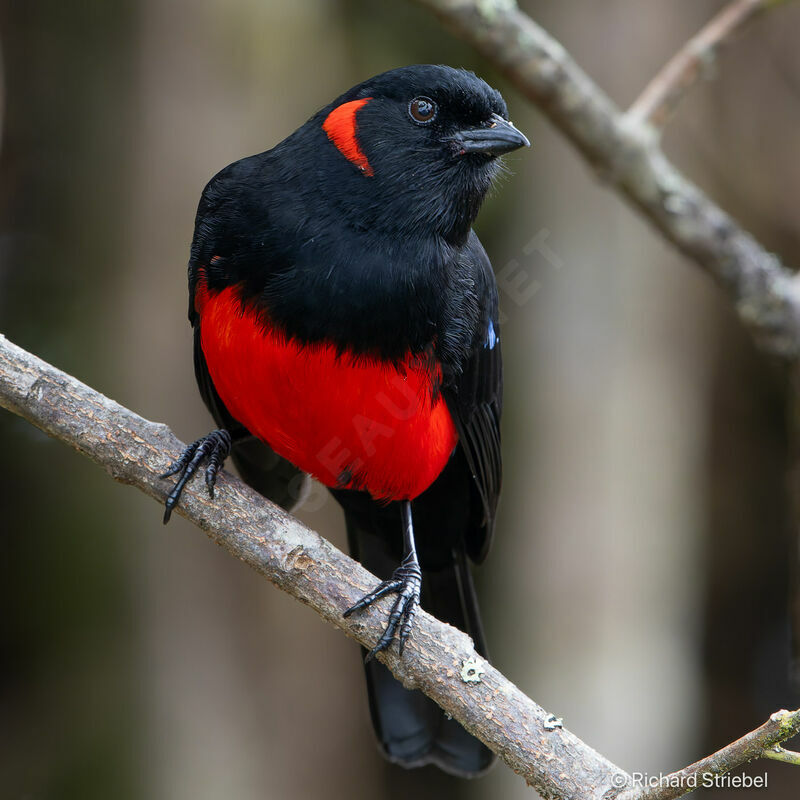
[(381, 590), (406, 581), (214, 447)]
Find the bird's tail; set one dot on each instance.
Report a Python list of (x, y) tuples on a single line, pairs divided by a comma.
[(412, 730)]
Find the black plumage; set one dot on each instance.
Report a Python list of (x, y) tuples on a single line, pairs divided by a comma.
[(380, 265)]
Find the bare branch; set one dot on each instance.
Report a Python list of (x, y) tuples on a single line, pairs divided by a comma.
[(625, 153), (762, 742), (310, 569), (778, 753), (693, 61)]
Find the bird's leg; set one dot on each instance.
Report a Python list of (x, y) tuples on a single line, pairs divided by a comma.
[(213, 448), (406, 581)]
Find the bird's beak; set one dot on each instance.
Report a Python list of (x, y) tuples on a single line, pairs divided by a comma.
[(500, 137)]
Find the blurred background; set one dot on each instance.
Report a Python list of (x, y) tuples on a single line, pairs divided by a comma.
[(638, 582)]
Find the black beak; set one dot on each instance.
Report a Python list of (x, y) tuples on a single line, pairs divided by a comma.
[(500, 137)]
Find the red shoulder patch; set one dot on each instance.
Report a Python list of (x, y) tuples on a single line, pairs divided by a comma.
[(340, 125)]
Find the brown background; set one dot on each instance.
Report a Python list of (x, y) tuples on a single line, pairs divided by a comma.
[(637, 586)]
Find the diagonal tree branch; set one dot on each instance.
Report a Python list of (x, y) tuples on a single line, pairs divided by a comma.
[(658, 101), (760, 743), (625, 152), (310, 569)]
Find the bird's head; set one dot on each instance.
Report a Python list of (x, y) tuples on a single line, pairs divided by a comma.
[(414, 149)]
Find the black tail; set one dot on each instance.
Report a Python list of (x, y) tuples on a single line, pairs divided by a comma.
[(411, 729)]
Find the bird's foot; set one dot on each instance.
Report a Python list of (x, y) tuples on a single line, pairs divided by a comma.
[(213, 448), (406, 581)]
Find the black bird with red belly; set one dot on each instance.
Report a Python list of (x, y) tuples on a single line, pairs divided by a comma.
[(346, 327)]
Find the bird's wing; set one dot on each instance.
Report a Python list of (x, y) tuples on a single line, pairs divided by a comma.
[(213, 246), (475, 399)]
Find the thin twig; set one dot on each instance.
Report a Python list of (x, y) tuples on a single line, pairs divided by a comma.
[(625, 154), (759, 743), (693, 61), (778, 753)]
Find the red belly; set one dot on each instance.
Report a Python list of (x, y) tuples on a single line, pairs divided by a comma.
[(351, 423)]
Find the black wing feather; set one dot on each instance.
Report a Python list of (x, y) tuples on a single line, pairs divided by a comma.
[(257, 463), (475, 399)]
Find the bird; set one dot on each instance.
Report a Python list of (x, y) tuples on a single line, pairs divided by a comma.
[(345, 319)]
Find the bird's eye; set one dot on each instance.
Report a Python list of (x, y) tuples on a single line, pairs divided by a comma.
[(422, 110)]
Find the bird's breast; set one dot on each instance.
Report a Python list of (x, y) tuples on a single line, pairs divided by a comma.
[(350, 421)]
